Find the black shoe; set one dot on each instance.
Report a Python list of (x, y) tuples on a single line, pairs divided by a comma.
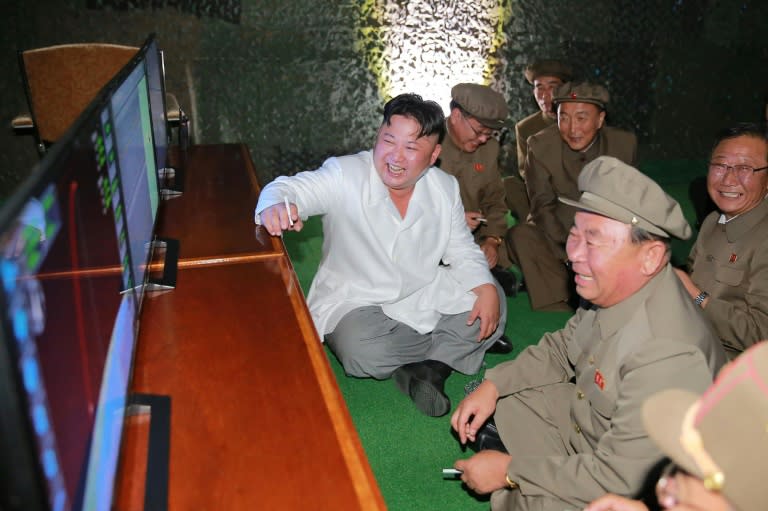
[(507, 280), (488, 438), (424, 382), (502, 346)]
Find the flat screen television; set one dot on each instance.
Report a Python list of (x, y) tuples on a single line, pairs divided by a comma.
[(75, 243), (155, 69)]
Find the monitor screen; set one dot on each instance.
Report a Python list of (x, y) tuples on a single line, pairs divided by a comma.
[(69, 325), (134, 145), (156, 83), (75, 244)]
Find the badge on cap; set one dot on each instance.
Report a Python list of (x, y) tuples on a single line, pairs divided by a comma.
[(573, 95), (733, 258), (479, 167)]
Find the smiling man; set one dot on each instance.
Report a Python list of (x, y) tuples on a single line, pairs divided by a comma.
[(545, 76), (402, 289), (729, 262), (567, 410), (470, 153), (555, 158)]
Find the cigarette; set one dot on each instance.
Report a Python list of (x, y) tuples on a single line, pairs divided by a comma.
[(452, 472), (288, 209), (481, 219)]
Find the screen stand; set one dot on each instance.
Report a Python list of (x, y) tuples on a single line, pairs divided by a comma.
[(158, 449), (172, 182), (168, 249)]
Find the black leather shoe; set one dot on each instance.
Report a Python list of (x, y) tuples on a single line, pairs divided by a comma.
[(507, 280), (502, 346), (424, 382), (488, 438)]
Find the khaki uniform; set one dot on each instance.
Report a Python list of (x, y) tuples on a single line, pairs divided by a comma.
[(529, 126), (538, 246), (569, 407), (730, 262), (480, 187), (514, 186)]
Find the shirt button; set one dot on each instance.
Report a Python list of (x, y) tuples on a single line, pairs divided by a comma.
[(580, 395), (591, 360), (577, 429)]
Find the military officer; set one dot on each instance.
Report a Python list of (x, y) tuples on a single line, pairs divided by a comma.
[(554, 161), (729, 261), (713, 450), (568, 409), (471, 154), (545, 76)]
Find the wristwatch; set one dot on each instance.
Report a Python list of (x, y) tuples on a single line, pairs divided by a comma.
[(699, 300), (495, 239), (512, 485)]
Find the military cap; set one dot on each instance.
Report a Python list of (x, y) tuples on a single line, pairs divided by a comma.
[(721, 436), (548, 67), (481, 102), (581, 92), (611, 188)]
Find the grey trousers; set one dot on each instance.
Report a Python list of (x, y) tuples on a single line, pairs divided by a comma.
[(368, 343)]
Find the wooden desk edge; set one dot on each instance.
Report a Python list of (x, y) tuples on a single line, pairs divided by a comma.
[(362, 476)]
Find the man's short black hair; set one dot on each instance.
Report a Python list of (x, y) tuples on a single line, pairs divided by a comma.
[(427, 113), (743, 129)]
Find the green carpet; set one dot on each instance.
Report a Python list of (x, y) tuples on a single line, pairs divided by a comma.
[(406, 449)]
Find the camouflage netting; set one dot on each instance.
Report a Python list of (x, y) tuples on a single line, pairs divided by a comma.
[(301, 80)]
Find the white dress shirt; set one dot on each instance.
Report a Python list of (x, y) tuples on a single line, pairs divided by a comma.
[(372, 255)]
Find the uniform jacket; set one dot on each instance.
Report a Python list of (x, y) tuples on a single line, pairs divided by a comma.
[(373, 256), (531, 125), (730, 262), (616, 357), (553, 170), (480, 185)]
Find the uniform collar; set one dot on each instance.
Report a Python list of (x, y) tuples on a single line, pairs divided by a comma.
[(612, 319), (740, 225)]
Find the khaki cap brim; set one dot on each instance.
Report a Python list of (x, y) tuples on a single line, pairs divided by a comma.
[(663, 415), (596, 204)]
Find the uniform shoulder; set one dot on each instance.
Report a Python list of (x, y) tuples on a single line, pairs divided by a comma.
[(532, 125), (547, 136), (526, 121)]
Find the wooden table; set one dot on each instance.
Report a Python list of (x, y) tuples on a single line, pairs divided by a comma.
[(257, 419)]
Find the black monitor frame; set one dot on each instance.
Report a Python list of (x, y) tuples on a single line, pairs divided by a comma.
[(25, 484)]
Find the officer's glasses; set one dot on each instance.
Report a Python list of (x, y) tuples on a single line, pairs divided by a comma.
[(482, 133), (741, 171)]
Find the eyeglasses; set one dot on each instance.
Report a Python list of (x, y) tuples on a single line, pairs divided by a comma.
[(741, 171), (487, 133)]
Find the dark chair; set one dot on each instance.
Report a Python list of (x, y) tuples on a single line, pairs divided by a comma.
[(58, 90)]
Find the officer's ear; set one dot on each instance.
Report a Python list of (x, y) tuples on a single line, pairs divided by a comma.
[(653, 256), (601, 119)]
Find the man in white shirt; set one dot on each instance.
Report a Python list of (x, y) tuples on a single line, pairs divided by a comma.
[(402, 289)]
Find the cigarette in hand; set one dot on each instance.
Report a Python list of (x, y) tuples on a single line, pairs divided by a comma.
[(481, 219), (288, 209)]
